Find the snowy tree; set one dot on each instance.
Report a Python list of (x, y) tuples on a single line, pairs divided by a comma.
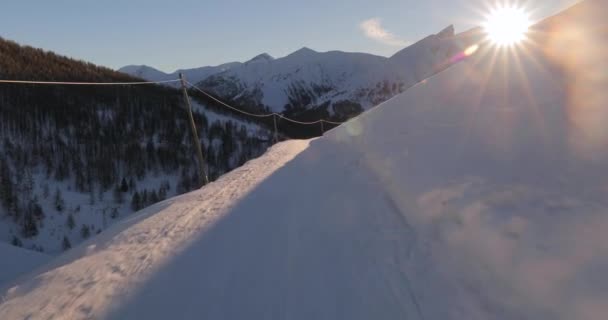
[(59, 203)]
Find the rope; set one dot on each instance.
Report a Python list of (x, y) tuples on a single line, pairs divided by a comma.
[(260, 115), (229, 106), (169, 81), (87, 83), (299, 122)]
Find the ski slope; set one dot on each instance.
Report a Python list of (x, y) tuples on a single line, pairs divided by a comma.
[(478, 194)]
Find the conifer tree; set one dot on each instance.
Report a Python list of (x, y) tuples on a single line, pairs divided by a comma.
[(124, 187), (59, 202), (65, 244), (136, 202), (70, 223), (85, 232), (16, 242)]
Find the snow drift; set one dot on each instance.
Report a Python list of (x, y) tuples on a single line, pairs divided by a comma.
[(479, 194)]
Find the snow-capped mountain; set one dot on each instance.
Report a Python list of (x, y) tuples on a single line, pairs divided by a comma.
[(479, 195), (146, 72), (330, 84), (192, 75), (335, 83)]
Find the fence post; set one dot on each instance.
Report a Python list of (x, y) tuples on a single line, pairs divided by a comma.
[(202, 175), (322, 128)]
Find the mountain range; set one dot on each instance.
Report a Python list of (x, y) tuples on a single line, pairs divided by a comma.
[(479, 194), (309, 85)]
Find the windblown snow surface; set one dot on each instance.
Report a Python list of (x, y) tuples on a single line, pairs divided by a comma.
[(479, 194)]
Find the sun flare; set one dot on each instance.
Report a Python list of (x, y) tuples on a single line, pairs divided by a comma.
[(507, 26)]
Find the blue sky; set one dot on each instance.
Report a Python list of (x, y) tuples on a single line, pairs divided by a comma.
[(172, 34)]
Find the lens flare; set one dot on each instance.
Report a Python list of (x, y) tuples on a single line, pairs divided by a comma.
[(507, 26), (471, 50)]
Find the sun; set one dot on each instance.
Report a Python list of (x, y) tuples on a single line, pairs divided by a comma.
[(507, 26)]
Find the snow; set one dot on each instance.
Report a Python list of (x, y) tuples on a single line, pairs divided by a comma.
[(193, 75), (97, 214), (92, 278), (355, 77), (478, 194), (17, 261), (254, 129)]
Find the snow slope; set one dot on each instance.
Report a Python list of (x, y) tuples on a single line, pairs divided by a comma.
[(479, 194), (192, 75), (16, 261)]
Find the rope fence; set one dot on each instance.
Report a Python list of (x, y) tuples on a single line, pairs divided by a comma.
[(260, 115), (184, 84), (71, 83), (86, 83)]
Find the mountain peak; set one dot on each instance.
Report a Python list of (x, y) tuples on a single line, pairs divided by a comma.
[(303, 51), (134, 67), (264, 57), (144, 72), (447, 32)]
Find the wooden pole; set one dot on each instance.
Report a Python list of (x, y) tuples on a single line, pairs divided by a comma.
[(276, 134), (322, 128), (202, 174)]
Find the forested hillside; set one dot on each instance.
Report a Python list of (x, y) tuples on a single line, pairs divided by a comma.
[(74, 158)]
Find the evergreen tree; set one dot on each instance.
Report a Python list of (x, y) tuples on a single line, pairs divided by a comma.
[(132, 184), (37, 211), (7, 195), (124, 187), (144, 198), (16, 242), (118, 197), (153, 197), (70, 223), (59, 203), (92, 137), (29, 227), (136, 202), (85, 232), (65, 244), (162, 194), (114, 213)]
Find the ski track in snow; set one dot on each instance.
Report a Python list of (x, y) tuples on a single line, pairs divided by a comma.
[(456, 200), (109, 267)]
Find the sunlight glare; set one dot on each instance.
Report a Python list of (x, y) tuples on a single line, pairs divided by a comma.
[(506, 26)]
